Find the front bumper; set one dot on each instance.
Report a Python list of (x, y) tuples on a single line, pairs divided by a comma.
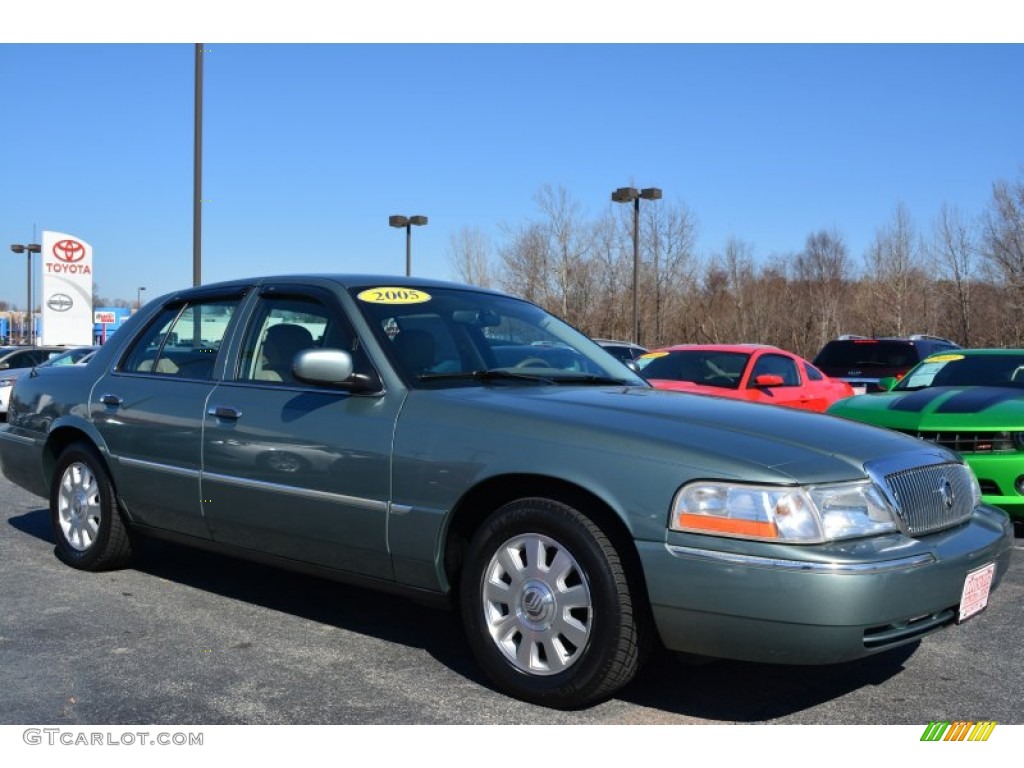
[(999, 472), (820, 604)]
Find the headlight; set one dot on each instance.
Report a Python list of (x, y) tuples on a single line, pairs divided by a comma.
[(799, 515), (1018, 440), (6, 383)]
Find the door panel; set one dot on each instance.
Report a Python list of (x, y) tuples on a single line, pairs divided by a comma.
[(294, 469)]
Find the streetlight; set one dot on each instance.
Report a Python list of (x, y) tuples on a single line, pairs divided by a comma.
[(138, 297), (633, 195), (407, 222), (28, 249)]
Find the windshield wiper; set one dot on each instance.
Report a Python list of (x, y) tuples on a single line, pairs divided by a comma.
[(491, 374)]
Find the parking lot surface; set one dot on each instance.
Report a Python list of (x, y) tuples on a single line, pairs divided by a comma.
[(187, 637)]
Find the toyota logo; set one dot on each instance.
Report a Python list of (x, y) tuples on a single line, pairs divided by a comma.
[(60, 302), (69, 250), (946, 493)]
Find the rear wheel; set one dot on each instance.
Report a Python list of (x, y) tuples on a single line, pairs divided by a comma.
[(547, 605), (87, 524)]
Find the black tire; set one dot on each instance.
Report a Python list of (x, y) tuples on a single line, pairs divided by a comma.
[(87, 524), (561, 630)]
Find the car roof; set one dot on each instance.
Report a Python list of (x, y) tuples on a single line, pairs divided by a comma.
[(619, 343), (345, 280), (744, 348), (979, 352)]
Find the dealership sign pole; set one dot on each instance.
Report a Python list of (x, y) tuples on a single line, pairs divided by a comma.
[(105, 319), (66, 290)]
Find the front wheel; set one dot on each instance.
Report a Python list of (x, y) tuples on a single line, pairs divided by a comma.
[(86, 522), (547, 605)]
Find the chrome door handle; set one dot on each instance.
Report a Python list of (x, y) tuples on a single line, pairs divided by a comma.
[(224, 412), (112, 400)]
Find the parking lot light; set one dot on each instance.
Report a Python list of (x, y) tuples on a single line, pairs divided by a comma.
[(634, 195), (28, 249), (408, 222)]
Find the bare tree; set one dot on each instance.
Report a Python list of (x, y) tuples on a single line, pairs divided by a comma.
[(728, 295), (669, 272), (525, 264), (953, 251), (1003, 248), (569, 241), (469, 255), (896, 279), (822, 270), (611, 274)]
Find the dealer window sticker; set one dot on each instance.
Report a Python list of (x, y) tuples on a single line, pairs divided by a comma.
[(393, 295)]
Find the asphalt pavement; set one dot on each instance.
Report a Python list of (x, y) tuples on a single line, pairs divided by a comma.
[(188, 637)]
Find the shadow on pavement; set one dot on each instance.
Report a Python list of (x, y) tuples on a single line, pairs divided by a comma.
[(727, 691)]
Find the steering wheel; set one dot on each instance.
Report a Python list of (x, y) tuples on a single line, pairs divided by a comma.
[(532, 362)]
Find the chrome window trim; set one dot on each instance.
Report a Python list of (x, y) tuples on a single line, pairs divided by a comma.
[(353, 501), (167, 468), (734, 558)]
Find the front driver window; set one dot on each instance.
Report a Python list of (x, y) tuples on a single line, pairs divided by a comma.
[(282, 327)]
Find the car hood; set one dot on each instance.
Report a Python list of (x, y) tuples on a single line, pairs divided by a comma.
[(938, 408), (674, 385), (715, 436)]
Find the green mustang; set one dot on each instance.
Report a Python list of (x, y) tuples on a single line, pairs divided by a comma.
[(970, 400)]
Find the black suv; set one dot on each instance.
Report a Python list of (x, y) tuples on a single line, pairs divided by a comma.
[(862, 361)]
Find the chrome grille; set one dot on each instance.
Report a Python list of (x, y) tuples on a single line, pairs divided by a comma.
[(968, 442), (932, 497)]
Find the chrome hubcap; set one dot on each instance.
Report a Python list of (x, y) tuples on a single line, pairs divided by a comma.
[(537, 605), (78, 506)]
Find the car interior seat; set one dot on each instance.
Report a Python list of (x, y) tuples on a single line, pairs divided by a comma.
[(282, 343), (415, 350)]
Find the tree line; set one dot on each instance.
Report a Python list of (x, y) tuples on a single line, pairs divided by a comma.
[(956, 276)]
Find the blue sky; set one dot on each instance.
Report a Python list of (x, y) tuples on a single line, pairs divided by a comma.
[(308, 148)]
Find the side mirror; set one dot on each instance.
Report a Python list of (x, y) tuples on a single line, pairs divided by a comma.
[(768, 380), (330, 367), (888, 383)]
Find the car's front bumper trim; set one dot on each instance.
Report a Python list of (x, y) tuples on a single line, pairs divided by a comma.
[(902, 563)]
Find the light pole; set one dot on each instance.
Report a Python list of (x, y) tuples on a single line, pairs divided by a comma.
[(408, 222), (197, 172), (28, 249), (138, 297), (633, 195)]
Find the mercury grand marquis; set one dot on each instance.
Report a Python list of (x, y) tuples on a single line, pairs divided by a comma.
[(465, 446)]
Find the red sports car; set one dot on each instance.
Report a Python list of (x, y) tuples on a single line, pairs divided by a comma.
[(761, 374)]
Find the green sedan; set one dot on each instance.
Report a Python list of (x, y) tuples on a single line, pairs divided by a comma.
[(971, 401), (461, 446)]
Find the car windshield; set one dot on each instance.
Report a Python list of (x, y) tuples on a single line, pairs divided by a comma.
[(705, 367), (955, 370), (867, 353), (442, 337)]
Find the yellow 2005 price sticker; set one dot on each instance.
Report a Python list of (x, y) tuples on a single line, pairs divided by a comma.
[(390, 295)]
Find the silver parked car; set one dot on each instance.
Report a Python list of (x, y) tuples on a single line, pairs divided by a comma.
[(18, 361), (462, 445)]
